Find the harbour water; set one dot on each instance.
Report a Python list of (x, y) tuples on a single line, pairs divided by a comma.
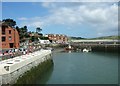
[(82, 68)]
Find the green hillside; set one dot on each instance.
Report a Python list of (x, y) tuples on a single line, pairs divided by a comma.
[(103, 37), (108, 37)]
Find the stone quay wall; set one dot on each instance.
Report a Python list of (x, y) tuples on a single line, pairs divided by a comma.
[(12, 69)]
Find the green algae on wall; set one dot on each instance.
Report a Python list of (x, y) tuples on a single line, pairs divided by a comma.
[(30, 76)]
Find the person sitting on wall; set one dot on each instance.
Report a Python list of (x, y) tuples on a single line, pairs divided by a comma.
[(3, 54), (24, 51), (11, 55)]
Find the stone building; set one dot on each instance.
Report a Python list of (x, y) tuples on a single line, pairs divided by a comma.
[(9, 37), (58, 38)]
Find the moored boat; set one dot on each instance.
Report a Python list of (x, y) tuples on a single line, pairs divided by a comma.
[(69, 47), (85, 50)]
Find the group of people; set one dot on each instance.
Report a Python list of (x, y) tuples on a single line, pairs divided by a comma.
[(9, 53), (17, 52)]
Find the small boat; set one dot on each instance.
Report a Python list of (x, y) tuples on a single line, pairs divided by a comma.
[(69, 47), (85, 50)]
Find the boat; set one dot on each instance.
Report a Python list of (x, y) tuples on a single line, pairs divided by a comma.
[(85, 50), (69, 47)]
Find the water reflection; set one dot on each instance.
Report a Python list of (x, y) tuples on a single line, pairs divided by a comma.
[(69, 51), (71, 67)]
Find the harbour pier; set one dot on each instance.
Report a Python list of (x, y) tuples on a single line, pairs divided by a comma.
[(96, 45), (12, 69)]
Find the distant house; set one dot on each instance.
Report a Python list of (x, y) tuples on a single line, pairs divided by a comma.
[(44, 41), (57, 38), (9, 37), (35, 34)]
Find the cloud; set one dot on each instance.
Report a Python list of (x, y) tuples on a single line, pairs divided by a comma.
[(45, 4), (60, 0), (100, 17), (31, 22), (22, 18), (94, 15)]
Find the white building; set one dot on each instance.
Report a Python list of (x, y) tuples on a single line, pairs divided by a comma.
[(44, 41)]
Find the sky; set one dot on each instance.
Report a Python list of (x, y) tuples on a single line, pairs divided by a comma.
[(81, 19)]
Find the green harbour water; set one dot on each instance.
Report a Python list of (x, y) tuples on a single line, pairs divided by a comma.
[(82, 68)]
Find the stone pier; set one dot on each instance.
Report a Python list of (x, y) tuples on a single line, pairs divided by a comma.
[(12, 69)]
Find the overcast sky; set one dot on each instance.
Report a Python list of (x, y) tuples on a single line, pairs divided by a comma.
[(82, 19)]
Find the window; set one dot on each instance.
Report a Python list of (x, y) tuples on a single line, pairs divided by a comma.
[(3, 31), (3, 39), (10, 38), (9, 31)]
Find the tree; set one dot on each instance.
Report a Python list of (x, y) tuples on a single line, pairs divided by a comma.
[(24, 29), (38, 29), (9, 22), (33, 38), (18, 29), (23, 33)]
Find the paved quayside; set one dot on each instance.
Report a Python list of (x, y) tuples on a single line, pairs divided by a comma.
[(12, 69)]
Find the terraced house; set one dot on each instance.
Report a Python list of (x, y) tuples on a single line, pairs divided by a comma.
[(59, 38), (9, 37)]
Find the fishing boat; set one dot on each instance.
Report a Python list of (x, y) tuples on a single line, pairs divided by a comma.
[(85, 50), (69, 47)]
